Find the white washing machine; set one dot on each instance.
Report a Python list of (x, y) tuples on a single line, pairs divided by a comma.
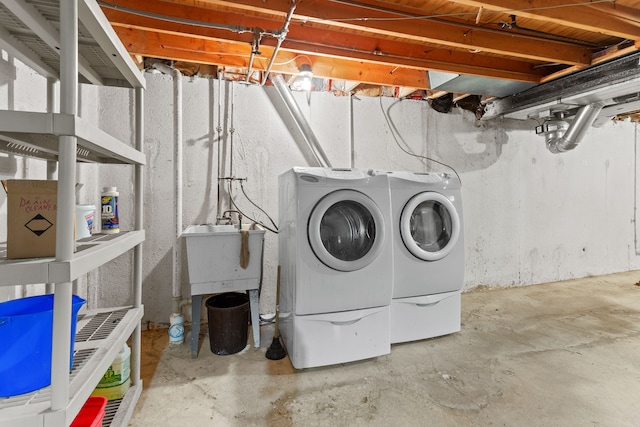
[(428, 248), (336, 260)]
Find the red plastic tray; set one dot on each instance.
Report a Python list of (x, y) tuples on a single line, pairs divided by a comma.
[(92, 413)]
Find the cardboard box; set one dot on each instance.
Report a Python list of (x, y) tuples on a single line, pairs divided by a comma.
[(31, 218)]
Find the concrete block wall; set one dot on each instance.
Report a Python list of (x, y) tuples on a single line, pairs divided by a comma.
[(529, 216)]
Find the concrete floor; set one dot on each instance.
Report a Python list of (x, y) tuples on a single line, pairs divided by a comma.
[(557, 354)]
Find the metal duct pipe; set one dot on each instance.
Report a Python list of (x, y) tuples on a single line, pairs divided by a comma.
[(571, 138), (301, 121)]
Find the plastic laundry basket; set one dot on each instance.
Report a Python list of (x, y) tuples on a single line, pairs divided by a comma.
[(228, 316), (26, 329)]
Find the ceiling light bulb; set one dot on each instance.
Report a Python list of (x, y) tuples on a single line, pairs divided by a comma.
[(305, 82), (305, 71), (304, 79)]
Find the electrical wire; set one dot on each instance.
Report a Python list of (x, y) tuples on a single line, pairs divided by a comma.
[(241, 29), (243, 155), (247, 216), (289, 61), (257, 207), (396, 134), (453, 15)]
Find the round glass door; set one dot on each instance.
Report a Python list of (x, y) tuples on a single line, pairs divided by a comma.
[(346, 230), (429, 226)]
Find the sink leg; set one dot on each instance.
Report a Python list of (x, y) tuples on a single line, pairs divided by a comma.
[(196, 308), (254, 304)]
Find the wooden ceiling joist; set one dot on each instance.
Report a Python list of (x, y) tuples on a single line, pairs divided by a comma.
[(399, 25), (384, 42), (593, 18), (192, 49)]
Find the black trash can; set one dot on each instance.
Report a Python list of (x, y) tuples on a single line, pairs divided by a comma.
[(228, 317)]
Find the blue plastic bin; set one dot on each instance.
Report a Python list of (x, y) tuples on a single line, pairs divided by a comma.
[(26, 329)]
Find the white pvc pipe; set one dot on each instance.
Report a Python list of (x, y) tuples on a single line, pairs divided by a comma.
[(220, 185), (139, 190), (232, 131), (136, 338), (352, 142), (177, 291), (65, 244)]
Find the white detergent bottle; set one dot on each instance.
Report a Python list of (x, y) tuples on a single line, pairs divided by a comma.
[(109, 210), (116, 381)]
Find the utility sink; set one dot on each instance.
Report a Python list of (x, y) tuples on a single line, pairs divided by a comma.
[(213, 254), (213, 258)]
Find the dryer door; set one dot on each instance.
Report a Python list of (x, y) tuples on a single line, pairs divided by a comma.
[(346, 230), (429, 226)]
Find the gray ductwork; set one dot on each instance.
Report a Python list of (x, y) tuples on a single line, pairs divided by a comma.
[(615, 84), (301, 121), (560, 136)]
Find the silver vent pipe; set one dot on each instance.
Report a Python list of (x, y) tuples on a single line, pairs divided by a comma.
[(561, 137), (297, 115)]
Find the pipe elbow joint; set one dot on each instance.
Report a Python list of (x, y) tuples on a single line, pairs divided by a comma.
[(571, 137), (559, 145)]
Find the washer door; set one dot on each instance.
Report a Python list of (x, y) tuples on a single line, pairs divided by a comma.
[(346, 230), (429, 226)]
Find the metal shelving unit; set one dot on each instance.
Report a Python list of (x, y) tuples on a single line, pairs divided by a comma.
[(71, 40)]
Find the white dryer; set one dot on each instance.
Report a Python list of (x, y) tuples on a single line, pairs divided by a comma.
[(336, 259), (429, 263)]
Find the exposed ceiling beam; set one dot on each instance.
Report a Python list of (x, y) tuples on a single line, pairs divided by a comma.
[(398, 26), (392, 43), (595, 18), (217, 52), (411, 55), (607, 55)]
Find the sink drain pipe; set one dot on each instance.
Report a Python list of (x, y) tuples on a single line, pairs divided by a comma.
[(176, 320)]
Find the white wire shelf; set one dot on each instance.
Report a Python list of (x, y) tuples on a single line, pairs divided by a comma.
[(100, 337), (37, 135), (91, 253), (119, 412), (30, 31)]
